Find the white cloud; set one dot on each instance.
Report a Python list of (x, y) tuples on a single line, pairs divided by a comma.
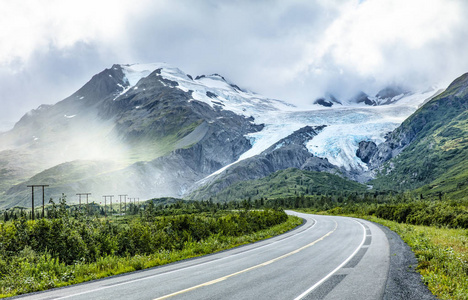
[(294, 50), (29, 26), (385, 41)]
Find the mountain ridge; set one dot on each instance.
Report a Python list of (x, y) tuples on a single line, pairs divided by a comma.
[(423, 152), (166, 132)]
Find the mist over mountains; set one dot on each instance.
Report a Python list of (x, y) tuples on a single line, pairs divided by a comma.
[(152, 130)]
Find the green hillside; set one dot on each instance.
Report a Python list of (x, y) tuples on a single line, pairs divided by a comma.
[(436, 160), (288, 183)]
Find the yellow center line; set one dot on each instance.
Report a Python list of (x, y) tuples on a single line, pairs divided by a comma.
[(248, 269)]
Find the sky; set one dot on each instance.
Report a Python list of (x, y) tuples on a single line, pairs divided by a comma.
[(294, 50)]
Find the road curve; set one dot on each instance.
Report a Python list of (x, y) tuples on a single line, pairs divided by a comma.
[(328, 257)]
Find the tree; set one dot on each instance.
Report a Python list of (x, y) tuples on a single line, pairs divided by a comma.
[(5, 216)]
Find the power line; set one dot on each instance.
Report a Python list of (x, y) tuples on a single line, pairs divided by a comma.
[(84, 194), (125, 201), (32, 198), (105, 204)]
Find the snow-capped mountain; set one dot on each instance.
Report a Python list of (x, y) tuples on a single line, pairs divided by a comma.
[(152, 130), (213, 90), (386, 96), (346, 123)]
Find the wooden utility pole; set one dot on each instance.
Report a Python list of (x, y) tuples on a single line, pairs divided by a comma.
[(84, 194), (125, 201), (32, 198), (79, 201), (105, 207)]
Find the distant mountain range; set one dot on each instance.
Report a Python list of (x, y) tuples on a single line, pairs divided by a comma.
[(386, 96), (152, 130)]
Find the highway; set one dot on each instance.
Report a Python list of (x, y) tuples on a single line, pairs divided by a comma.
[(328, 257)]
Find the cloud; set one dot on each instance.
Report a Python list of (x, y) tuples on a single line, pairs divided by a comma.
[(294, 50), (407, 42), (50, 48)]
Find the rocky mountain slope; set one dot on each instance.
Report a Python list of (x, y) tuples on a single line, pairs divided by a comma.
[(429, 150), (130, 121), (152, 130), (289, 152)]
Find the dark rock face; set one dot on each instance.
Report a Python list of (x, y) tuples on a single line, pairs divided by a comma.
[(390, 92), (289, 152), (200, 139), (108, 82), (262, 165), (389, 95), (319, 164), (298, 137), (366, 150), (211, 95), (423, 122), (362, 97), (161, 111), (323, 102), (398, 140)]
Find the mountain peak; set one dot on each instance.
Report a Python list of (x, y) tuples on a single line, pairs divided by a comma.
[(361, 97), (327, 101), (134, 72), (459, 87)]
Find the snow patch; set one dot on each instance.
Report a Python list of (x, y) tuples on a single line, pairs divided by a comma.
[(133, 73), (347, 124), (346, 127), (230, 97)]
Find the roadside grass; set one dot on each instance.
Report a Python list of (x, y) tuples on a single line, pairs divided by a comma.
[(442, 255), (40, 272)]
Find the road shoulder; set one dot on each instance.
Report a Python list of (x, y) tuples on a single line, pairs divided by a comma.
[(404, 282)]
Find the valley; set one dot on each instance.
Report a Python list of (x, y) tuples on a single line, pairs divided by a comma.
[(154, 132), (234, 150)]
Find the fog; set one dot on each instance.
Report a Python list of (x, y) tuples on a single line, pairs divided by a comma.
[(75, 154)]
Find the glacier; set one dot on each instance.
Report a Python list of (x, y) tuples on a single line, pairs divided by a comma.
[(347, 124), (346, 127)]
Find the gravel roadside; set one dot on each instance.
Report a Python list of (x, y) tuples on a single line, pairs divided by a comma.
[(404, 282)]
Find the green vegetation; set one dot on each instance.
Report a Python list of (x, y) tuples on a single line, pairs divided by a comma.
[(442, 255), (289, 183), (153, 147), (436, 161), (69, 248)]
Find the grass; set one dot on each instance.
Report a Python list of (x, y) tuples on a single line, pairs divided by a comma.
[(442, 255), (46, 272)]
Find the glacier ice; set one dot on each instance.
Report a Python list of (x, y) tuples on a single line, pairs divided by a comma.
[(347, 124)]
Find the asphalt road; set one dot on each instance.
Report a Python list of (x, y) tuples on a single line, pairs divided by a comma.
[(327, 258)]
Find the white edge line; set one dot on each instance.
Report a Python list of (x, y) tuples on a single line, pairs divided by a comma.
[(337, 268), (185, 268)]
